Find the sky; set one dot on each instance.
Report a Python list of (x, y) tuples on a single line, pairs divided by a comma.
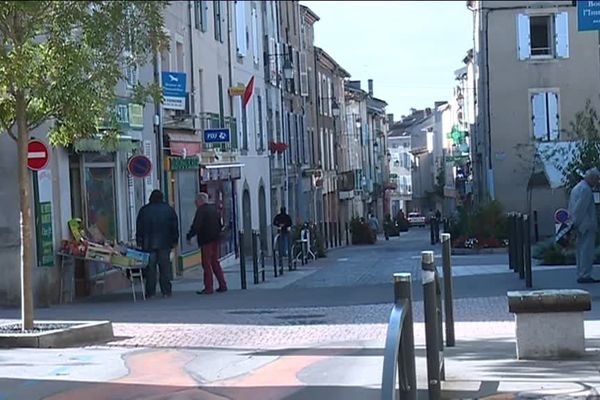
[(409, 48)]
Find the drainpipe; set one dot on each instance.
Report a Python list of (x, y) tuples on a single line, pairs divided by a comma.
[(158, 126), (193, 87)]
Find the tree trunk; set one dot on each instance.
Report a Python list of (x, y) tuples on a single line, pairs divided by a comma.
[(25, 206)]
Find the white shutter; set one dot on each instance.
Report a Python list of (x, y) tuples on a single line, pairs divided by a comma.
[(538, 110), (240, 28), (561, 25), (303, 75), (320, 99), (553, 115), (255, 37), (272, 61), (523, 37)]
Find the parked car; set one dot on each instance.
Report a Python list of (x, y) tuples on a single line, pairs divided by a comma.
[(416, 219)]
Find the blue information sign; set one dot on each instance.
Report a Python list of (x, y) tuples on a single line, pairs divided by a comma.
[(219, 135), (173, 83), (588, 15)]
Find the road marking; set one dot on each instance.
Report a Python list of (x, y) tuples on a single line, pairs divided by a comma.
[(36, 154), (343, 259)]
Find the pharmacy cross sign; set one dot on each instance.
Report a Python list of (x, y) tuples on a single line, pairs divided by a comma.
[(37, 155)]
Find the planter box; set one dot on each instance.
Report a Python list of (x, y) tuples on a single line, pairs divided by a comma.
[(77, 333), (466, 252)]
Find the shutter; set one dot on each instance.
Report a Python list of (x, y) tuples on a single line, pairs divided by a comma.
[(255, 46), (523, 37), (240, 28), (303, 75), (539, 120), (553, 115), (320, 99), (561, 24), (273, 61)]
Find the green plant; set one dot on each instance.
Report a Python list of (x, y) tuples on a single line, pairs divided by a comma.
[(361, 232), (390, 227)]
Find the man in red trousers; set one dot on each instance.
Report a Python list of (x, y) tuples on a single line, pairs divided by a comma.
[(207, 229)]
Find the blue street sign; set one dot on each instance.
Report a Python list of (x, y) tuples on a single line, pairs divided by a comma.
[(588, 15), (173, 83), (218, 135)]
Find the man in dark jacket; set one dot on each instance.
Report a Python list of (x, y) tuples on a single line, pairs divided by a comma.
[(157, 232), (283, 221), (207, 229)]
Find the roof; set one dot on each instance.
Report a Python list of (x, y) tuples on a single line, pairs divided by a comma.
[(321, 55), (309, 14)]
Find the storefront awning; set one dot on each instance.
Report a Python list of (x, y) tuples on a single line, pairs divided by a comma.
[(222, 171), (184, 145), (125, 144)]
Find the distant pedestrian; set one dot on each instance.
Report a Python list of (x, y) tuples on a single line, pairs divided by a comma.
[(434, 226), (157, 232), (373, 223), (283, 222), (582, 212), (207, 228)]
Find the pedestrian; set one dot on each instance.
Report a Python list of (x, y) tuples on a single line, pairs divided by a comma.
[(157, 232), (373, 224), (283, 222), (582, 212), (207, 229), (438, 219)]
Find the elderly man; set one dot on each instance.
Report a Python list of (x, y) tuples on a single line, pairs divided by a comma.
[(207, 229), (583, 218)]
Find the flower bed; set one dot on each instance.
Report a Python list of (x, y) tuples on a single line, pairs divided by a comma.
[(484, 227)]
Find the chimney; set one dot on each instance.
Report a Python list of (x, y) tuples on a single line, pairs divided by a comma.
[(390, 118), (413, 110), (370, 81)]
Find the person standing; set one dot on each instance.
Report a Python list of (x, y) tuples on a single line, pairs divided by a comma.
[(207, 230), (582, 212), (157, 232), (283, 222)]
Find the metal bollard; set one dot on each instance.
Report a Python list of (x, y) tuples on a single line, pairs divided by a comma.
[(511, 241), (347, 235), (275, 244), (527, 251), (340, 237), (407, 376), (242, 261), (254, 258), (262, 257), (521, 245), (432, 331), (448, 302), (518, 257)]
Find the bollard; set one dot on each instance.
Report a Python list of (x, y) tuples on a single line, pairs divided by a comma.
[(511, 242), (340, 236), (527, 251), (432, 331), (448, 302), (262, 257), (518, 257), (407, 376), (275, 244), (536, 227), (347, 235), (242, 261), (521, 245), (254, 258)]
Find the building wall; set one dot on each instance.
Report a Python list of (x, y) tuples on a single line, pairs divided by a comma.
[(510, 83)]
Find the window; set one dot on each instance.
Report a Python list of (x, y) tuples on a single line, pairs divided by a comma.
[(100, 195), (217, 21), (240, 28), (165, 60), (221, 105), (320, 89), (261, 139), (201, 15), (303, 75), (179, 54), (545, 116), (543, 36), (273, 61), (255, 37)]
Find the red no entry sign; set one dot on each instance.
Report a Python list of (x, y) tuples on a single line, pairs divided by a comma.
[(37, 155)]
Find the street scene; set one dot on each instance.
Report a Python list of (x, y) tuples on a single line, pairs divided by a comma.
[(261, 199)]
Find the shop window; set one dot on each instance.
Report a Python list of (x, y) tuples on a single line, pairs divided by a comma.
[(187, 189), (100, 207)]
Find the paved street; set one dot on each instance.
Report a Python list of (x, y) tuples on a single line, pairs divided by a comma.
[(314, 333)]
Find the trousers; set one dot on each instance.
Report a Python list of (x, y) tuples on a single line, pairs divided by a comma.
[(585, 253), (211, 265), (160, 258)]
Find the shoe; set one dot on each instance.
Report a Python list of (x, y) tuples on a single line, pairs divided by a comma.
[(588, 280), (203, 292), (166, 295), (221, 290)]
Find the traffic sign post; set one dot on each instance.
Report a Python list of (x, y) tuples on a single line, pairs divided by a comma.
[(561, 216), (139, 166), (37, 155), (218, 135)]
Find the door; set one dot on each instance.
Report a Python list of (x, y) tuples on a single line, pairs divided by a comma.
[(262, 215), (247, 222)]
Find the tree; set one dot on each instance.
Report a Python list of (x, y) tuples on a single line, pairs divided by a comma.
[(60, 62)]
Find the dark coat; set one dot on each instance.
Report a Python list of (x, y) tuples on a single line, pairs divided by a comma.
[(157, 227), (283, 220), (207, 225)]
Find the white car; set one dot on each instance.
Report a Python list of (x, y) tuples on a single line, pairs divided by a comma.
[(416, 219)]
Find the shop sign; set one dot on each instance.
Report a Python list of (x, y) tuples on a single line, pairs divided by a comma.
[(218, 135), (174, 90), (588, 15), (237, 90), (45, 242), (136, 116), (180, 164)]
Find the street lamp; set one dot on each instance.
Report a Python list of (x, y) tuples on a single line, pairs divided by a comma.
[(335, 108), (288, 69)]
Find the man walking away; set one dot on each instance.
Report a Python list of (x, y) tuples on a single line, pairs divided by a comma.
[(207, 229), (374, 224), (583, 218), (283, 221), (157, 232)]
